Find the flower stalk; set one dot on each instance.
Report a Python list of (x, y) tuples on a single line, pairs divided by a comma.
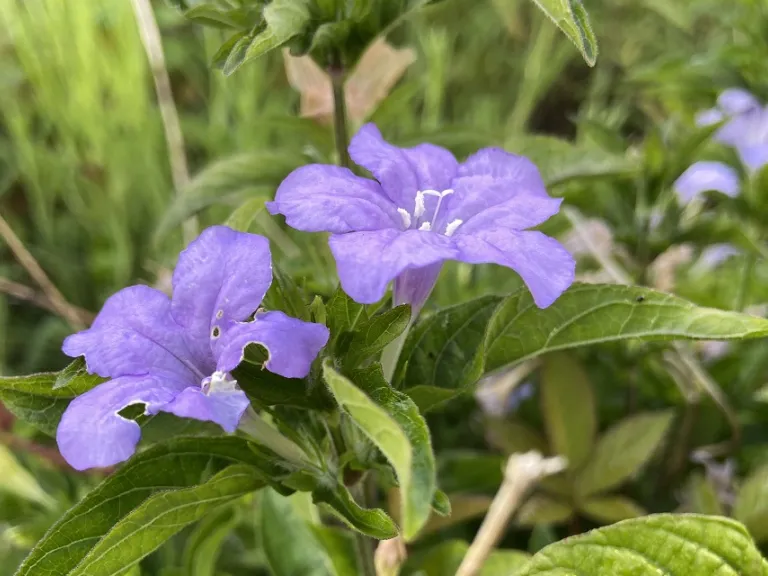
[(336, 72)]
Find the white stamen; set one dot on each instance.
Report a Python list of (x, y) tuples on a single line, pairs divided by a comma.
[(425, 227), (420, 207), (218, 382), (451, 228), (405, 216)]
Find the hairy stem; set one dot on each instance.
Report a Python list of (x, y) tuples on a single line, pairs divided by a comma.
[(336, 72), (363, 543)]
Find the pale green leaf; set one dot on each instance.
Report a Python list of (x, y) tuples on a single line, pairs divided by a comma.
[(701, 497), (568, 407), (391, 421), (203, 546), (243, 216), (751, 506), (289, 543), (571, 17), (622, 451), (610, 509), (511, 436), (16, 480), (542, 509), (664, 544), (595, 313), (161, 516)]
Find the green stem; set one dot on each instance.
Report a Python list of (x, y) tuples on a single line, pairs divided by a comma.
[(391, 354), (363, 543), (336, 73), (254, 426)]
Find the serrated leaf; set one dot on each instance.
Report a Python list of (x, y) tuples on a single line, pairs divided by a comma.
[(161, 516), (16, 480), (668, 544), (568, 407), (231, 180), (391, 420), (444, 350), (610, 509), (372, 336), (596, 313), (571, 17), (751, 507), (176, 465), (622, 451), (284, 19), (203, 546), (542, 509), (289, 543), (561, 161)]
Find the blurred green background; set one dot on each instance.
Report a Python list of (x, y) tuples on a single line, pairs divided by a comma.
[(86, 181)]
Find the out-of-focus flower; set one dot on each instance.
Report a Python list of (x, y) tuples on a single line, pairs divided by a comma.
[(422, 209), (377, 71), (176, 354), (663, 270), (707, 176)]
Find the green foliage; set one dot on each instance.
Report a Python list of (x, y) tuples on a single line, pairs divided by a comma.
[(571, 17), (672, 544)]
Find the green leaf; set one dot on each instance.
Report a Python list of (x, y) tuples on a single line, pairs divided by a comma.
[(430, 397), (444, 350), (701, 497), (343, 313), (571, 17), (371, 336), (466, 471), (289, 543), (161, 516), (511, 436), (622, 451), (231, 180), (204, 544), (18, 481), (161, 469), (595, 313), (391, 420), (751, 507), (218, 16), (668, 544), (542, 509), (375, 523), (568, 407), (561, 161), (284, 19), (341, 548), (463, 507), (41, 399), (244, 215), (610, 509)]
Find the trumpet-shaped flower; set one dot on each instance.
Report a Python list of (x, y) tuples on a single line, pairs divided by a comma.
[(422, 209), (176, 354)]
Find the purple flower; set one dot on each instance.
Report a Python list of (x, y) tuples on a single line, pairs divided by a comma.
[(176, 354), (422, 209), (705, 176), (747, 128)]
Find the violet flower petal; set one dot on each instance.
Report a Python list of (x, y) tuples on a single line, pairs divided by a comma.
[(754, 157), (224, 407), (291, 343), (490, 177), (134, 334), (521, 212), (545, 266), (414, 285), (92, 434), (220, 278), (735, 101), (402, 172), (704, 176), (368, 261), (320, 198), (709, 117)]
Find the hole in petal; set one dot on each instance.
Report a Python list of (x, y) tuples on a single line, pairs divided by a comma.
[(133, 411)]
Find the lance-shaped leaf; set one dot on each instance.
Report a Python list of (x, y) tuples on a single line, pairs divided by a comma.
[(392, 421), (595, 313), (164, 468), (204, 545), (622, 451), (371, 336), (18, 481), (673, 545), (161, 516), (571, 17)]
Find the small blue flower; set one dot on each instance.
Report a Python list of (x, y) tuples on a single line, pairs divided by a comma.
[(422, 209), (176, 354)]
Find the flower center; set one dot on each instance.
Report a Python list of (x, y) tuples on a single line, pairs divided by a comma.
[(217, 383), (421, 208)]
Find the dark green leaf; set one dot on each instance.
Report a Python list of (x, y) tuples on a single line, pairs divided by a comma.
[(594, 313), (371, 336), (376, 523), (343, 313)]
